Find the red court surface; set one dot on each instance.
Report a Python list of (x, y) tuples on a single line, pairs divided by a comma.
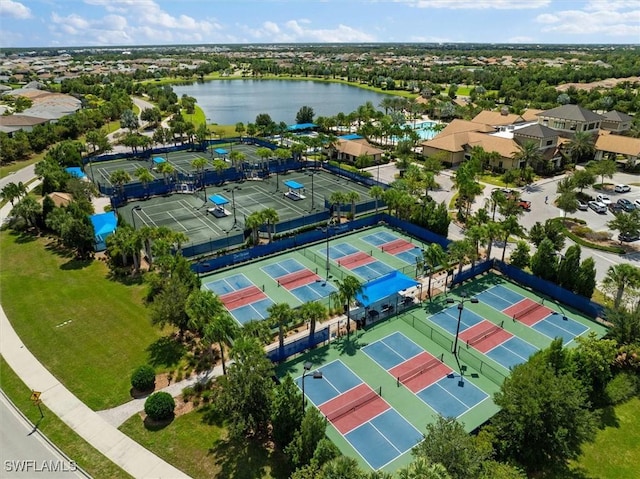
[(298, 278), (353, 416), (529, 318), (242, 297), (485, 336), (427, 368), (397, 246), (356, 259)]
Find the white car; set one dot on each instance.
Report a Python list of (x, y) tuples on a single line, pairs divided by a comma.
[(604, 199), (622, 188), (598, 207)]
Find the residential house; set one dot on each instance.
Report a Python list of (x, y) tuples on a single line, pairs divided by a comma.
[(350, 150), (569, 119), (616, 122)]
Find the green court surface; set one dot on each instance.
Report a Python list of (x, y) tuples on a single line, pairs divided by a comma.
[(189, 213), (433, 388)]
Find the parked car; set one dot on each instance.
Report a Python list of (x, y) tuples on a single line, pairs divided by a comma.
[(603, 199), (626, 204), (615, 208), (628, 237), (622, 188), (598, 207), (583, 205), (524, 204)]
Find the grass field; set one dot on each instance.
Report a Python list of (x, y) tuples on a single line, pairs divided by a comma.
[(51, 426), (89, 331), (201, 450), (615, 454)]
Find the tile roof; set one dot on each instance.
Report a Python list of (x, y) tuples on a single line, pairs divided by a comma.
[(536, 131), (617, 116), (357, 148), (496, 118), (624, 145), (571, 112)]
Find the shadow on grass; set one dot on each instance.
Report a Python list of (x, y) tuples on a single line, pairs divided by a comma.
[(608, 417), (166, 351), (22, 236), (247, 458), (75, 264), (154, 425)]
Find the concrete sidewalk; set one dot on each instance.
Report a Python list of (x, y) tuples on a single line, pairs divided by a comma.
[(119, 448)]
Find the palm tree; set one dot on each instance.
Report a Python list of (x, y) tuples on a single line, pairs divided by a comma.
[(10, 193), (496, 199), (348, 288), (253, 222), (581, 146), (352, 197), (477, 235), (199, 164), (528, 154), (376, 192), (337, 199), (270, 217), (29, 209), (222, 329), (492, 232), (119, 178), (459, 251), (280, 314), (313, 312), (145, 177), (433, 256), (237, 159), (510, 226), (167, 170), (619, 277), (147, 234)]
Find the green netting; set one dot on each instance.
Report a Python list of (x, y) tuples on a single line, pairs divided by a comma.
[(426, 329)]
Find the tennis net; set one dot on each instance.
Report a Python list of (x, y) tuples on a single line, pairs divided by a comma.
[(353, 258), (420, 369), (295, 276), (353, 405), (527, 310), (394, 246), (485, 334)]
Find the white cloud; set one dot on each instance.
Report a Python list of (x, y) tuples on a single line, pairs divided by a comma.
[(299, 31), (604, 19), (477, 4), (521, 39), (109, 30), (9, 8)]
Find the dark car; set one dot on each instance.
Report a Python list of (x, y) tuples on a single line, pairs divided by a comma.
[(629, 237), (615, 208), (626, 204)]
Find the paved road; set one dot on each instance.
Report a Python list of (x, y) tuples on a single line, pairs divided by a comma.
[(25, 175), (25, 452)]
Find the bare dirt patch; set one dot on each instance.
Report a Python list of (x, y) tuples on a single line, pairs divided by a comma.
[(606, 83)]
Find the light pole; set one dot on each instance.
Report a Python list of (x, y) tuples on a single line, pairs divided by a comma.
[(233, 203), (463, 299), (133, 216), (312, 174), (316, 375)]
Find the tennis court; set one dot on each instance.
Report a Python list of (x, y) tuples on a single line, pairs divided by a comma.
[(534, 314), (447, 393), (395, 245), (301, 281), (368, 423), (357, 261), (242, 298)]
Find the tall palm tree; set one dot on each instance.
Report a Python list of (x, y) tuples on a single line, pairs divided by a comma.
[(510, 227), (376, 192), (619, 277), (270, 217), (145, 177), (459, 251), (581, 146), (313, 312), (352, 197), (167, 170), (493, 230), (280, 314), (337, 199), (119, 178), (253, 222), (199, 164), (433, 256), (29, 209), (348, 288), (497, 199), (222, 329), (528, 154)]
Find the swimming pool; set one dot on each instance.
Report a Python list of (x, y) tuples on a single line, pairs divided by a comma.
[(424, 129)]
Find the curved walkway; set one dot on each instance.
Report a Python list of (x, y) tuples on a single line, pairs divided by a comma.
[(119, 448)]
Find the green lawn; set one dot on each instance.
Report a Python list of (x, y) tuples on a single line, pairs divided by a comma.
[(89, 331), (615, 454), (200, 449), (57, 431)]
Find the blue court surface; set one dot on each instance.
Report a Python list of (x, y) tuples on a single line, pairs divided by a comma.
[(380, 238), (383, 438), (313, 291), (452, 396), (229, 284), (339, 250), (555, 325), (448, 319), (512, 352), (249, 312), (283, 268), (410, 256), (379, 440), (392, 350), (373, 270)]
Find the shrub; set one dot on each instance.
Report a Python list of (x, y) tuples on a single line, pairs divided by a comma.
[(622, 387), (581, 230), (144, 378), (159, 406)]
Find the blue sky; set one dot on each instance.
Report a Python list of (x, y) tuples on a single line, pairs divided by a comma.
[(60, 23)]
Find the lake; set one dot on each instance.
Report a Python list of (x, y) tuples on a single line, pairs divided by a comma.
[(227, 102)]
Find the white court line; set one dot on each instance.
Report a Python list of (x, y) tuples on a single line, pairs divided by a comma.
[(174, 219)]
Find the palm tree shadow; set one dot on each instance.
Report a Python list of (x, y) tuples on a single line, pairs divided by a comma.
[(348, 345), (166, 351)]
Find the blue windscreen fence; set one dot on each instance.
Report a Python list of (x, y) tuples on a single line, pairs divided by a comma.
[(585, 305), (299, 345), (353, 176), (477, 269)]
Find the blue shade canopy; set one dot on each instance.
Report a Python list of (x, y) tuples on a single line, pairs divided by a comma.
[(294, 185), (104, 223), (218, 200), (158, 159), (75, 171), (384, 286), (301, 126), (352, 136), (221, 151)]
